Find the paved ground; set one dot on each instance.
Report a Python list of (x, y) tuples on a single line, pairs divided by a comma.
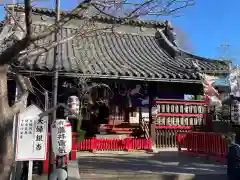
[(161, 166), (42, 177)]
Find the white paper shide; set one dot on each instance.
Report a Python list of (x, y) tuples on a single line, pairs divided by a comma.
[(61, 137)]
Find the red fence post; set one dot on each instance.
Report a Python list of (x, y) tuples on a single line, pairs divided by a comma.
[(195, 143), (180, 140), (127, 144), (73, 153), (83, 145), (224, 149), (206, 144), (93, 145), (188, 142), (45, 162), (150, 145)]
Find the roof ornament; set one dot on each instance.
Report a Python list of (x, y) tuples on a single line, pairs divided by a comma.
[(44, 17), (171, 34), (196, 65), (166, 42)]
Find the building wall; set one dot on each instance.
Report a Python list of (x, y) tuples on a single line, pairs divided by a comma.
[(128, 96)]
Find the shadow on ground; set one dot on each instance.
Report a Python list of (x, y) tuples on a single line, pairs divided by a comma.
[(164, 165)]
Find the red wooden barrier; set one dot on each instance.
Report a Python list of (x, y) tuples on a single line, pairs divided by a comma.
[(102, 145), (127, 144), (73, 153), (45, 163), (206, 144)]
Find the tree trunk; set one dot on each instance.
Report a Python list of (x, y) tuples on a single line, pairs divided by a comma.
[(6, 127), (6, 152)]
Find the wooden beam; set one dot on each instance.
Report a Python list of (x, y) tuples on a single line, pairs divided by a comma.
[(152, 125)]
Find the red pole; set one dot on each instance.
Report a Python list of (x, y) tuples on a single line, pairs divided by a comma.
[(73, 153), (45, 162)]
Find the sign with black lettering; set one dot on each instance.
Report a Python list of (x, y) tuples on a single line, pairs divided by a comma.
[(32, 135), (61, 137)]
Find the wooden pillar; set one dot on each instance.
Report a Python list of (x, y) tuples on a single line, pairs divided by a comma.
[(152, 124), (195, 96)]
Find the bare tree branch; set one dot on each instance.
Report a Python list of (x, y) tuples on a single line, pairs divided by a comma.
[(11, 53), (28, 17), (56, 27), (23, 84), (14, 19), (20, 103), (28, 54), (19, 25)]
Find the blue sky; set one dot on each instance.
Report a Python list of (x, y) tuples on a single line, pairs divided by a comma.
[(208, 25), (211, 23)]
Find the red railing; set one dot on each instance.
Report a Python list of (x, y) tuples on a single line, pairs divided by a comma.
[(175, 127), (94, 144), (127, 144), (207, 144)]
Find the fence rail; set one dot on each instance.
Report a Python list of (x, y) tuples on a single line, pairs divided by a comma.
[(207, 144), (94, 144), (127, 144), (167, 137)]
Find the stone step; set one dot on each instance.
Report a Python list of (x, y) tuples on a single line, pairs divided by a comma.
[(111, 136), (161, 176)]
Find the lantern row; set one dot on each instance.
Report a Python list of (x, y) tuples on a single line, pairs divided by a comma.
[(179, 121), (235, 112), (180, 108)]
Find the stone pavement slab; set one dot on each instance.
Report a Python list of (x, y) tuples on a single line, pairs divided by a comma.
[(42, 177), (73, 172), (161, 176), (165, 165)]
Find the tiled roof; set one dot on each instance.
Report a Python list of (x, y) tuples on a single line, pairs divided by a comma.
[(121, 55), (92, 12)]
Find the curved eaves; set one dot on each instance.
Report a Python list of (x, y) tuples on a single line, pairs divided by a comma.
[(186, 58)]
